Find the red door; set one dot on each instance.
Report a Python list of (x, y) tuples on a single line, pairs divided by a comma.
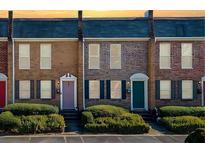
[(204, 91), (2, 94)]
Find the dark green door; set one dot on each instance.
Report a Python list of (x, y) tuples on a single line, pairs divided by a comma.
[(138, 94)]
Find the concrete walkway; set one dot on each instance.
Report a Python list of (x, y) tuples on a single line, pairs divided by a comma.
[(102, 138)]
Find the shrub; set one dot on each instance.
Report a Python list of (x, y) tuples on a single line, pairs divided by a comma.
[(106, 110), (183, 124), (172, 111), (87, 117), (41, 124), (8, 122), (31, 109), (198, 136)]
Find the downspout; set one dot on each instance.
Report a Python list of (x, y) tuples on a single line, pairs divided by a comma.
[(83, 76), (13, 72)]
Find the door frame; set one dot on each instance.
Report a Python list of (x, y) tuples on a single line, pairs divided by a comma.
[(144, 78), (4, 78), (68, 77), (203, 90)]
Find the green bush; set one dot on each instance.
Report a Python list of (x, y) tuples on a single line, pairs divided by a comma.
[(41, 124), (198, 136), (106, 110), (8, 122), (173, 111), (31, 109), (87, 117), (183, 124)]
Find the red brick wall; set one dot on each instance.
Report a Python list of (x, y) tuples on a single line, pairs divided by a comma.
[(3, 57), (176, 73)]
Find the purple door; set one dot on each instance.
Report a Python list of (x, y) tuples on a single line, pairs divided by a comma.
[(204, 91), (68, 95)]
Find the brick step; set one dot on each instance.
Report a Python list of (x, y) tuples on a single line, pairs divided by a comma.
[(147, 116), (70, 114)]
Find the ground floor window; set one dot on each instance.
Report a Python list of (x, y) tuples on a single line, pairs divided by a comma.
[(94, 89), (46, 89), (187, 89), (116, 92), (165, 89), (24, 89)]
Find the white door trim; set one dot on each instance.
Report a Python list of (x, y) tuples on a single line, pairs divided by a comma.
[(140, 77), (203, 90), (3, 77), (68, 77)]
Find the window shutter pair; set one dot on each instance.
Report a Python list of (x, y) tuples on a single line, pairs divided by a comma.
[(31, 89), (38, 89), (87, 89), (194, 89), (123, 89)]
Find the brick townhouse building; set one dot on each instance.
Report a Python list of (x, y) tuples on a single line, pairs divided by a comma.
[(137, 63)]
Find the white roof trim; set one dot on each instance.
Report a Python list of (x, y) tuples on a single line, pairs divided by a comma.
[(139, 76), (68, 76), (180, 38), (3, 77), (3, 38), (118, 39), (203, 78), (44, 39)]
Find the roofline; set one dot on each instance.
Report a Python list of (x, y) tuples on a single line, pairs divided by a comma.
[(3, 38), (180, 38), (45, 19), (43, 39), (117, 39)]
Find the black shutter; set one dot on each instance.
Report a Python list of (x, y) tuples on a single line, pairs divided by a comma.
[(17, 89), (173, 89), (180, 89), (195, 89), (123, 89), (86, 89), (108, 89), (101, 89), (38, 89), (32, 89), (157, 86), (53, 89)]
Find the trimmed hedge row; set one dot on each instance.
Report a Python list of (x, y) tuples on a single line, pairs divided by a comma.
[(173, 111), (31, 124), (31, 109), (198, 136), (112, 119), (183, 124)]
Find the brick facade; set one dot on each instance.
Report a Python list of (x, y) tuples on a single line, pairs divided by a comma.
[(133, 60), (3, 58), (176, 73)]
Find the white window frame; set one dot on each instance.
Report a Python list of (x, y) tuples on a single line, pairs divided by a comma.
[(191, 97), (182, 65), (91, 97), (120, 57), (41, 82), (160, 55), (97, 57), (21, 90), (27, 66), (41, 57), (161, 82), (112, 88)]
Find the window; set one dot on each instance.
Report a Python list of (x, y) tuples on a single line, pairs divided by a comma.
[(115, 89), (45, 53), (115, 56), (94, 89), (164, 55), (24, 89), (165, 89), (186, 53), (94, 56), (46, 89), (187, 89), (24, 56)]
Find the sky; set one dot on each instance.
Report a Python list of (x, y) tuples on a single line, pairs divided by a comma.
[(108, 13)]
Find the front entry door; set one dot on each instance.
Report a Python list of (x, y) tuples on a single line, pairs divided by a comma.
[(204, 91), (68, 95), (138, 95), (2, 94)]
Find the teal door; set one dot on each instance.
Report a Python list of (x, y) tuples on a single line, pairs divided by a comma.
[(138, 94)]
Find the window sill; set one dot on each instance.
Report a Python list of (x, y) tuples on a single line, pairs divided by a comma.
[(165, 68), (187, 68), (188, 99)]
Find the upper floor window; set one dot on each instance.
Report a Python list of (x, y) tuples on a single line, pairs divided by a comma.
[(94, 89), (45, 54), (187, 89), (165, 89), (24, 56), (24, 89), (46, 89), (165, 62), (186, 55), (94, 56), (116, 92), (115, 56)]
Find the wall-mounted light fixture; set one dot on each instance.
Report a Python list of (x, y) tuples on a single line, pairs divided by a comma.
[(128, 87), (199, 87), (58, 87)]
